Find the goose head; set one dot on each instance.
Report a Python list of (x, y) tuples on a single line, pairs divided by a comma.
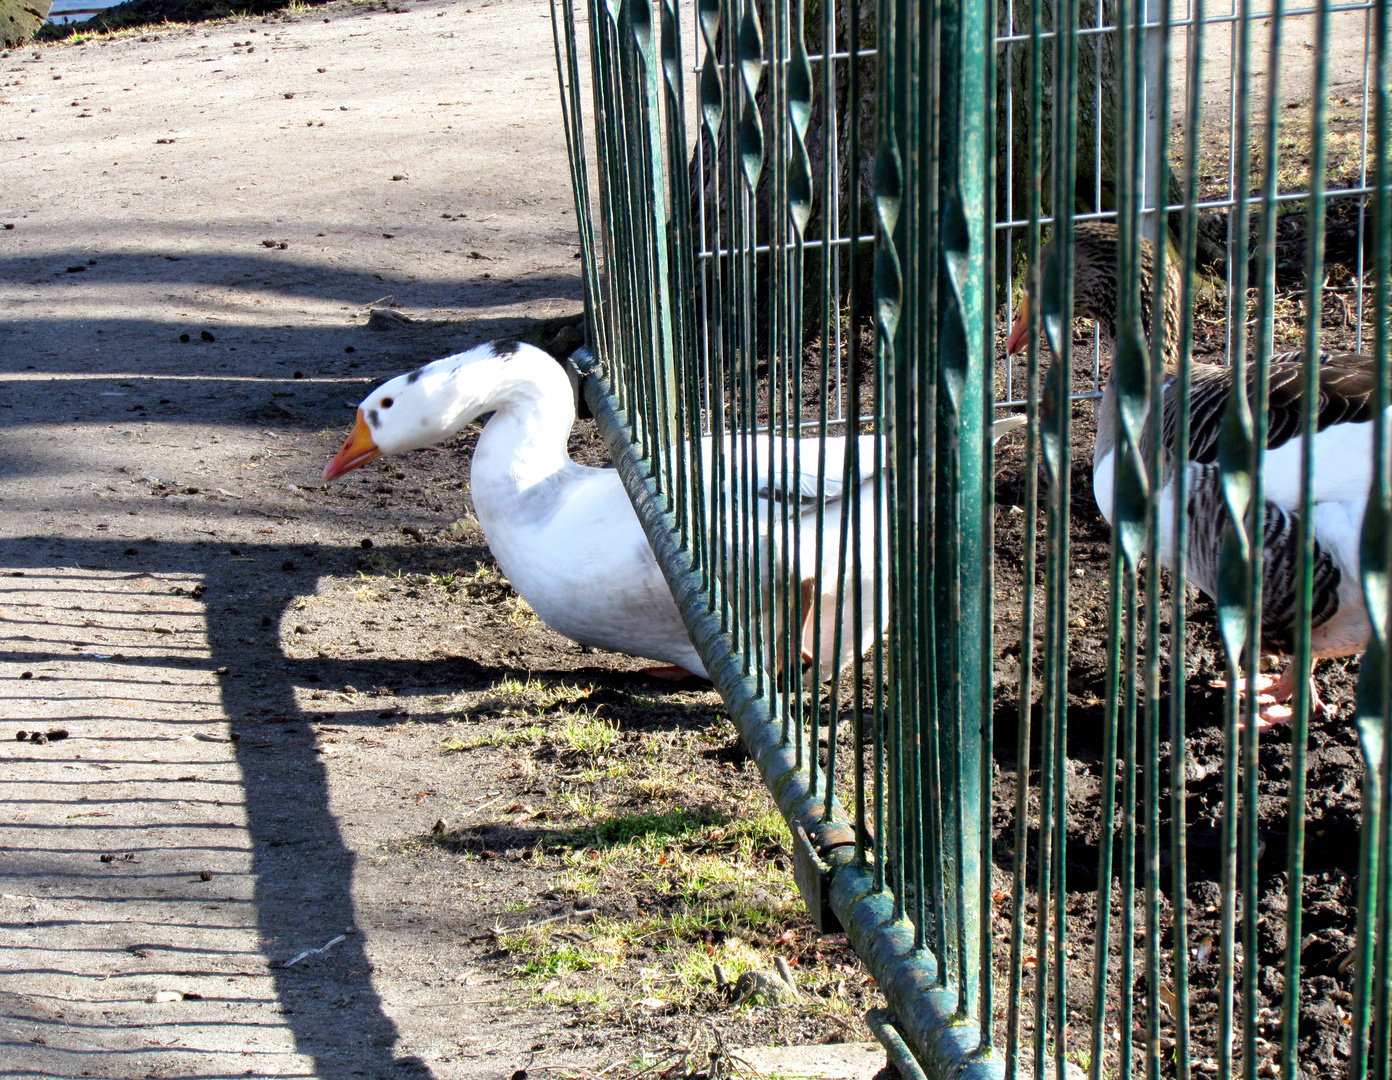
[(1096, 246), (432, 403)]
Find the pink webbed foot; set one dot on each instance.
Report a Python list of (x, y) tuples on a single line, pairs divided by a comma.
[(670, 673), (1274, 693)]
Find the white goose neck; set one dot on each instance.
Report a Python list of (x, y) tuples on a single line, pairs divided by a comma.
[(533, 412)]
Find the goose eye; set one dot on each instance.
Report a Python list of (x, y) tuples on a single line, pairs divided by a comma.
[(386, 403)]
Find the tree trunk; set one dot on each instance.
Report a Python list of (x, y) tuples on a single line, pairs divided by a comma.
[(709, 172)]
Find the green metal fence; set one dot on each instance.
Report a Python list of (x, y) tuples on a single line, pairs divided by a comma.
[(805, 229)]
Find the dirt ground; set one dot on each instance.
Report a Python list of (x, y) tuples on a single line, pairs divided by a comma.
[(330, 802)]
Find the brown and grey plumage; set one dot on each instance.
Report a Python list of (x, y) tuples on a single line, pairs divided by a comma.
[(1343, 467)]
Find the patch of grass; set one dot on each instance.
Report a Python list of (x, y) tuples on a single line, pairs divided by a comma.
[(520, 612), (541, 695), (586, 734), (597, 997), (581, 804), (501, 737), (715, 866), (548, 952), (695, 968), (657, 788)]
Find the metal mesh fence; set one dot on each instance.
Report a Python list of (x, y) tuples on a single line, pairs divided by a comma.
[(806, 228)]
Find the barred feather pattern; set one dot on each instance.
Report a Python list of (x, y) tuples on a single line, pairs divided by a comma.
[(1208, 523)]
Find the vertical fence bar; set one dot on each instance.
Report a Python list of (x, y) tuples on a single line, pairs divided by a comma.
[(1180, 532), (1374, 703)]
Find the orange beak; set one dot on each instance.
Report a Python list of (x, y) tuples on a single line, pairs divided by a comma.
[(1019, 330), (358, 449)]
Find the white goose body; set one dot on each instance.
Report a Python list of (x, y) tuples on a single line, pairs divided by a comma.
[(567, 537)]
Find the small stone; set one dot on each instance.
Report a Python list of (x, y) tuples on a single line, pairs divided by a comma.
[(349, 349), (21, 735), (763, 988), (203, 335), (57, 733), (205, 875), (184, 337), (365, 543), (26, 674), (288, 566), (220, 671), (40, 738), (108, 858), (76, 269)]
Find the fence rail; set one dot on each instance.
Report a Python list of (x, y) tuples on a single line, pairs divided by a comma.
[(991, 732)]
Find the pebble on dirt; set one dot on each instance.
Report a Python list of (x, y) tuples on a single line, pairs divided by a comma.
[(203, 335)]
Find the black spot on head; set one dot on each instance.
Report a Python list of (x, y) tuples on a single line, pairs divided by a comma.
[(505, 348), (372, 418), (414, 375)]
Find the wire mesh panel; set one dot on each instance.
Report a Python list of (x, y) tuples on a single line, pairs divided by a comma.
[(1016, 716), (1241, 355)]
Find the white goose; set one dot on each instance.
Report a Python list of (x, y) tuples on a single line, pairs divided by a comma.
[(1343, 470), (566, 535)]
